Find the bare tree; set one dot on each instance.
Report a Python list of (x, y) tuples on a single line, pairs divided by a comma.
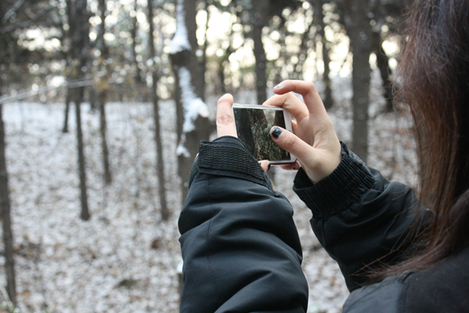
[(66, 38), (6, 216), (103, 91), (193, 124), (156, 117), (80, 49), (382, 59), (319, 17), (259, 18), (139, 76), (66, 111), (7, 41), (357, 25), (261, 12), (4, 190)]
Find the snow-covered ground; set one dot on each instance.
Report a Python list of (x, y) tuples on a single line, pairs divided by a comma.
[(124, 259)]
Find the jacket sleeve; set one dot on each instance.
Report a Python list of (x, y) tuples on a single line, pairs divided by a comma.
[(359, 217), (240, 247)]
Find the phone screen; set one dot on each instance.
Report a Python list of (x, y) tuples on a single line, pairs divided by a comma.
[(253, 127)]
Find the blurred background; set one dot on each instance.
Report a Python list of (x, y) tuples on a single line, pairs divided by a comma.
[(103, 104)]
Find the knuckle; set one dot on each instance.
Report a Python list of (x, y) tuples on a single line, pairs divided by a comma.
[(312, 87), (289, 97), (289, 142), (224, 119)]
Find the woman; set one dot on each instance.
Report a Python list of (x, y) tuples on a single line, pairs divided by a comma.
[(239, 243)]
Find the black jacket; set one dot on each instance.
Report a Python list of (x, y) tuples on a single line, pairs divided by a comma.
[(241, 249), (239, 243)]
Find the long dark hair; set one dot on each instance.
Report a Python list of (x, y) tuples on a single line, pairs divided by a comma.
[(434, 81)]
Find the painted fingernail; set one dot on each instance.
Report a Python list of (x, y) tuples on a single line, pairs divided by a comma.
[(276, 132), (278, 86), (268, 167)]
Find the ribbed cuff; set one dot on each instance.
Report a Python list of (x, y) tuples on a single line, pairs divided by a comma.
[(338, 191), (227, 156)]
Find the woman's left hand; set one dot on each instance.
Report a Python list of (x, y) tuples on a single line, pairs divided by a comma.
[(226, 125)]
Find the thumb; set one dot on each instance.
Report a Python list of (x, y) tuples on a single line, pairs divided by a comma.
[(291, 143)]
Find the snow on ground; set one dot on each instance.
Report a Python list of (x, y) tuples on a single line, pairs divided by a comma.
[(124, 259)]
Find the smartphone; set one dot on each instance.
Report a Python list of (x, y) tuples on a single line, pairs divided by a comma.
[(253, 124)]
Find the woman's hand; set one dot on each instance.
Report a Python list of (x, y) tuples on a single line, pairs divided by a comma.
[(226, 125), (315, 142)]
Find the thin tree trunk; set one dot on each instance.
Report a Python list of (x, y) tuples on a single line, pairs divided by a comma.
[(80, 50), (260, 8), (66, 110), (5, 208), (133, 34), (319, 15), (306, 38), (382, 61), (222, 61), (359, 32), (203, 63), (328, 100), (156, 118), (159, 152), (103, 130), (103, 94), (6, 216), (85, 214)]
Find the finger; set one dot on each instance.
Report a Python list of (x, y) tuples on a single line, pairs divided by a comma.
[(294, 125), (265, 165), (225, 120), (308, 91), (291, 143), (291, 103), (292, 166)]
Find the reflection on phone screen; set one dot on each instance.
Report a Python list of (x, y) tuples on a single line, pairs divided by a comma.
[(253, 128)]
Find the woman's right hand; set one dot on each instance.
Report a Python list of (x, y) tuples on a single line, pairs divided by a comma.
[(315, 142)]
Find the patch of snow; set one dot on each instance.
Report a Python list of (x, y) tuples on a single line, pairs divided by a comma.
[(193, 105), (193, 108), (181, 149), (180, 40)]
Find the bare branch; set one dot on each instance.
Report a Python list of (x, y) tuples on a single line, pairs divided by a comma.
[(26, 24), (12, 10)]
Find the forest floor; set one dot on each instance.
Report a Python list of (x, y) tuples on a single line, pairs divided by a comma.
[(125, 258)]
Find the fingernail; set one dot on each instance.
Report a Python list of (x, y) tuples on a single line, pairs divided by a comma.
[(268, 167), (278, 86), (276, 132)]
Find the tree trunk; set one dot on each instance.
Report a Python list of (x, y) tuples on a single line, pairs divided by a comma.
[(5, 208), (103, 93), (260, 9), (306, 38), (193, 124), (222, 62), (203, 62), (66, 110), (156, 118), (359, 31), (133, 33), (103, 130), (6, 216), (80, 50), (382, 61), (84, 215), (319, 15)]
